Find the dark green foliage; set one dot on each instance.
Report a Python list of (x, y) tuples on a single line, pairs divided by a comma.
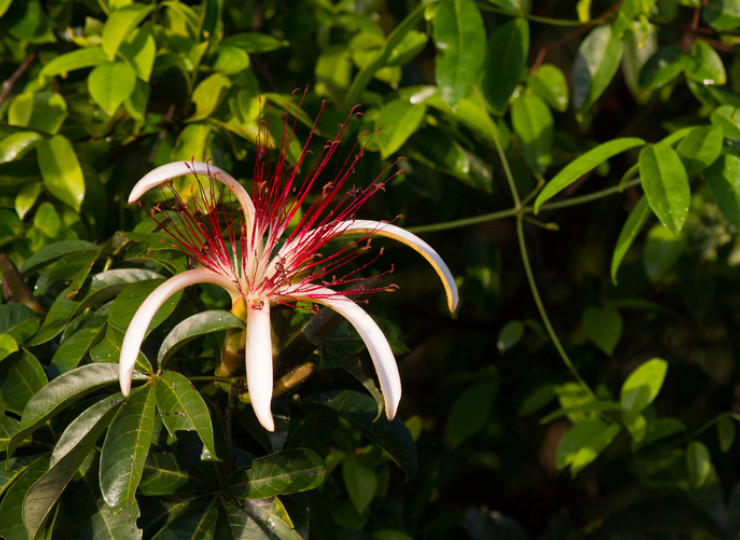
[(577, 165)]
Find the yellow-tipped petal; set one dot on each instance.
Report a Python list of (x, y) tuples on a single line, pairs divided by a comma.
[(259, 362), (144, 315), (375, 341), (380, 228), (184, 168)]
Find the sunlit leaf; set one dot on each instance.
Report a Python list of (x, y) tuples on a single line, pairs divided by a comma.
[(583, 443), (110, 84), (643, 385), (666, 185), (119, 25), (73, 60), (460, 39), (16, 145), (397, 121), (596, 64), (703, 64), (582, 164), (61, 170)]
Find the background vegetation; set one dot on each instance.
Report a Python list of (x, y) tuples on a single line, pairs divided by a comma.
[(575, 163)]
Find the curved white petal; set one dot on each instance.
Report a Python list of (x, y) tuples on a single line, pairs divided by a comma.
[(375, 341), (183, 168), (380, 228), (144, 315), (259, 362)]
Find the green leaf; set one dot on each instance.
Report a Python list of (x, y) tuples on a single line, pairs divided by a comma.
[(549, 83), (26, 198), (53, 252), (8, 426), (208, 94), (60, 313), (725, 433), (506, 57), (252, 42), (19, 321), (666, 185), (360, 481), (182, 407), (77, 441), (533, 124), (509, 335), (281, 473), (700, 148), (89, 424), (21, 377), (43, 111), (390, 435), (662, 67), (74, 348), (72, 268), (125, 448), (722, 15), (636, 424), (192, 143), (73, 60), (661, 252), (598, 58), (61, 171), (194, 327), (583, 164), (197, 520), (106, 285), (703, 64), (61, 392), (230, 60), (366, 74), (16, 145), (8, 345), (699, 463), (583, 443), (111, 84), (470, 412), (603, 327), (167, 473), (119, 25), (727, 117), (140, 51), (397, 120), (632, 227), (723, 178), (460, 39), (643, 385), (11, 507), (131, 297), (255, 520)]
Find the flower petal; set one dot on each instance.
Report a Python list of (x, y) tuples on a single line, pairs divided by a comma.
[(144, 315), (183, 168), (259, 362), (379, 228), (374, 339)]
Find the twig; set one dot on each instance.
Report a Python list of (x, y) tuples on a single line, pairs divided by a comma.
[(8, 84)]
